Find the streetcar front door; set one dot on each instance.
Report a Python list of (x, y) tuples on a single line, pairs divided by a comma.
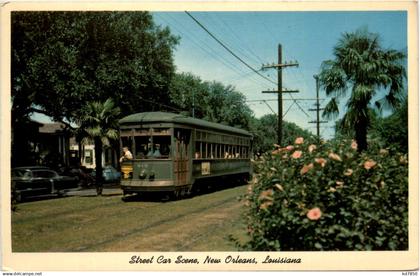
[(181, 158)]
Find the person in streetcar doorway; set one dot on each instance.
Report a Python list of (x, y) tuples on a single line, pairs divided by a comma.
[(127, 155)]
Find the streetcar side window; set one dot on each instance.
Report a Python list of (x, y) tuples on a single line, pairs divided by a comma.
[(197, 152), (213, 151), (204, 152), (211, 145)]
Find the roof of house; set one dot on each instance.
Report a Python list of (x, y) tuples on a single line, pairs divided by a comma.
[(51, 127), (166, 117)]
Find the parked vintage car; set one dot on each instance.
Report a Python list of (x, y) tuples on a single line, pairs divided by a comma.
[(82, 173), (110, 174), (38, 180)]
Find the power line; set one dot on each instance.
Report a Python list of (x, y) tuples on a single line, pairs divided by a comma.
[(160, 104), (271, 100), (269, 107), (215, 56), (247, 49), (227, 49), (273, 39), (284, 115), (210, 51)]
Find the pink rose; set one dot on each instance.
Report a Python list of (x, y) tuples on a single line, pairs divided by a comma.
[(321, 161), (334, 156), (314, 214), (369, 164), (306, 168), (348, 172), (290, 148), (297, 154), (299, 141), (311, 148)]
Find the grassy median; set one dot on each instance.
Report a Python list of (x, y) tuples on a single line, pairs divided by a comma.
[(106, 223)]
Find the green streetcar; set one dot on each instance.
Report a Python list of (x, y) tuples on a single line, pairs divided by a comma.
[(173, 153)]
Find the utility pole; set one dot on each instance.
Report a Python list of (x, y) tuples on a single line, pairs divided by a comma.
[(317, 109), (280, 91), (193, 105)]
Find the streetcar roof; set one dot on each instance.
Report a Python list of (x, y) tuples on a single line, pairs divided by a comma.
[(167, 117)]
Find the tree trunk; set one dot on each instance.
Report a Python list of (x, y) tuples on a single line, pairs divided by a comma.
[(98, 163), (361, 135)]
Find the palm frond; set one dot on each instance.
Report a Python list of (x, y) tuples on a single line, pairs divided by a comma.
[(391, 100), (333, 79), (94, 131), (100, 119), (379, 105), (360, 96), (331, 109), (112, 134)]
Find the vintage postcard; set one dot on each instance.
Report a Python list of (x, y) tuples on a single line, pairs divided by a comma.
[(209, 136)]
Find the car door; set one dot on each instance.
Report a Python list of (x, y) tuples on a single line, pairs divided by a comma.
[(43, 180)]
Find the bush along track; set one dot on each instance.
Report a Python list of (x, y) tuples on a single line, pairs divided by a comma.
[(328, 197)]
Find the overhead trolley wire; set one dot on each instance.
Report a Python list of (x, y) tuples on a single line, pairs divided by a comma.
[(236, 69), (247, 49), (237, 57), (269, 106), (227, 49), (266, 28)]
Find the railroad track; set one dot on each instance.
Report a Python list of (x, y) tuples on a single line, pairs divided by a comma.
[(125, 235)]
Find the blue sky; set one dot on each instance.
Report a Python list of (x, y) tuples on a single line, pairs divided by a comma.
[(308, 37)]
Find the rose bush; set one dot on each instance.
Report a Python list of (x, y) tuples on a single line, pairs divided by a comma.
[(328, 197)]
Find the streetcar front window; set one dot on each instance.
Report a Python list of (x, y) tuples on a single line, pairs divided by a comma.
[(148, 143), (152, 147), (143, 145), (160, 148)]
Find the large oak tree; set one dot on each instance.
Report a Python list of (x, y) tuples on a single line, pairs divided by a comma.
[(62, 60)]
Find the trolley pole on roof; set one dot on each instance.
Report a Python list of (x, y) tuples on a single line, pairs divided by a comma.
[(280, 91)]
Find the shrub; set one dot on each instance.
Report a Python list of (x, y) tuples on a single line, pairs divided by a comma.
[(328, 197)]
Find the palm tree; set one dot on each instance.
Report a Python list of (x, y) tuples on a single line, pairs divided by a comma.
[(363, 67), (100, 124)]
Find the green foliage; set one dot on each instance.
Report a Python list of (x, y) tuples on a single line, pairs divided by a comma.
[(212, 101), (329, 197), (100, 120), (265, 133), (362, 68), (392, 131), (61, 60)]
